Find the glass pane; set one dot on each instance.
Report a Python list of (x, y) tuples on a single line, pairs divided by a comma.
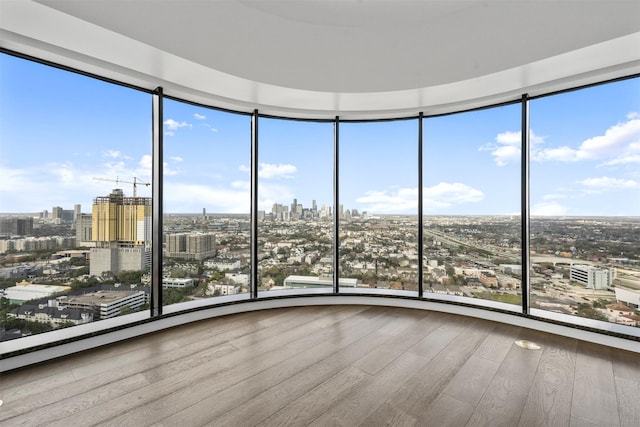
[(472, 205), (295, 195), (379, 205), (206, 224), (75, 244), (585, 200)]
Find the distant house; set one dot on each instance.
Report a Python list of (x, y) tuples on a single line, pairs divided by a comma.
[(52, 312), (174, 282)]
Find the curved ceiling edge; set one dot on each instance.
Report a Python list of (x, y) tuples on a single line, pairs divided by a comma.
[(117, 57)]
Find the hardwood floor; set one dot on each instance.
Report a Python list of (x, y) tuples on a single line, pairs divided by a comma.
[(332, 365)]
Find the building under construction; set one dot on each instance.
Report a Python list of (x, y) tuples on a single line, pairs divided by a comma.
[(117, 219), (121, 228)]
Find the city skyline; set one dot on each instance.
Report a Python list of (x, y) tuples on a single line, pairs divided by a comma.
[(61, 130)]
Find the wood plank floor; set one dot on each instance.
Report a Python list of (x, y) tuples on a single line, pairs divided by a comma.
[(332, 365)]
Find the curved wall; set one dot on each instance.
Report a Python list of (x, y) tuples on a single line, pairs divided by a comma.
[(430, 229)]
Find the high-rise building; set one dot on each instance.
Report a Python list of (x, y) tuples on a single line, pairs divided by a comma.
[(83, 230), (121, 229), (61, 216), (197, 246), (122, 220), (16, 226), (56, 212)]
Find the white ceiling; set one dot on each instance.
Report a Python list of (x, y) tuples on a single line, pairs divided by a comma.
[(352, 58)]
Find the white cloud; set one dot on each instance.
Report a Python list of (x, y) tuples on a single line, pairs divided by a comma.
[(506, 147), (400, 200), (244, 168), (176, 159), (199, 116), (445, 195), (146, 164), (116, 167), (551, 208), (390, 201), (111, 153), (607, 184), (619, 144), (623, 160), (270, 193), (559, 154), (269, 171), (173, 125)]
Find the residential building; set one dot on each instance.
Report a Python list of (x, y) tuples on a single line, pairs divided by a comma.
[(195, 246), (52, 312), (16, 226), (175, 282)]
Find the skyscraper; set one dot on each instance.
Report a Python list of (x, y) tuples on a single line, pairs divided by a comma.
[(117, 219), (121, 228)]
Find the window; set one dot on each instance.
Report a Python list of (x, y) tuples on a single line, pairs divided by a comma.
[(471, 203), (206, 203), (379, 205), (75, 243), (295, 195), (585, 199)]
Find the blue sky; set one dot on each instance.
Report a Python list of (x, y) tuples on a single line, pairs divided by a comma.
[(59, 130)]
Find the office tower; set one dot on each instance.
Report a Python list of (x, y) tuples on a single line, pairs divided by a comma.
[(56, 212)]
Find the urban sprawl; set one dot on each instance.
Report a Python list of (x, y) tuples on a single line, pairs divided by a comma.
[(65, 267)]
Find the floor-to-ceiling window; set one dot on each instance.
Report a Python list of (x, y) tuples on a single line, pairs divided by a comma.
[(74, 241), (76, 212), (471, 204), (206, 203), (295, 195), (585, 200), (378, 189)]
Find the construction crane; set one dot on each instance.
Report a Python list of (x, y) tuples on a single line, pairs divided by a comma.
[(135, 182)]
